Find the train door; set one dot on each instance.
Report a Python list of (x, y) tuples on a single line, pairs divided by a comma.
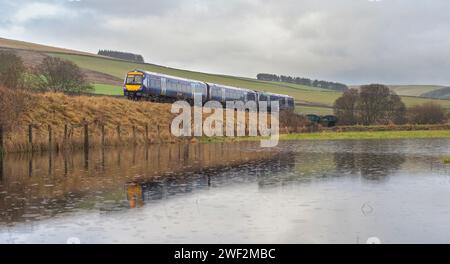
[(163, 86)]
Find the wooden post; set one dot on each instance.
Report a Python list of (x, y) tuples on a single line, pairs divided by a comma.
[(30, 134), (146, 133), (157, 131), (50, 137), (103, 135), (65, 132), (86, 146), (118, 132), (86, 137), (1, 141), (134, 134)]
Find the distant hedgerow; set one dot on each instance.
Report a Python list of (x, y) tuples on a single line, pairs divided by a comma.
[(122, 55)]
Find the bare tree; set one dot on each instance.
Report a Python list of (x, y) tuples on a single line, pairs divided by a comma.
[(372, 104), (427, 113), (345, 107), (396, 109), (60, 75), (12, 70)]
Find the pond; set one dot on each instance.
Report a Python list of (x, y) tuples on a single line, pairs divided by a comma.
[(299, 192)]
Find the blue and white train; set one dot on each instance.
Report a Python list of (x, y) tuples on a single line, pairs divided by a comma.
[(164, 88)]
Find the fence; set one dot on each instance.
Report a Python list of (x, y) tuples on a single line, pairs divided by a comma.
[(34, 137)]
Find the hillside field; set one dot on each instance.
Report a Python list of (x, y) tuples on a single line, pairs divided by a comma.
[(309, 99)]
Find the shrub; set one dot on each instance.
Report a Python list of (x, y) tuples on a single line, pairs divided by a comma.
[(12, 70), (427, 113), (58, 75)]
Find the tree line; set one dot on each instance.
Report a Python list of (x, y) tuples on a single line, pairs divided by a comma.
[(303, 81), (122, 55), (376, 104)]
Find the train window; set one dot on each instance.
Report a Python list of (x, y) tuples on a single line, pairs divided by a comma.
[(157, 83), (134, 79)]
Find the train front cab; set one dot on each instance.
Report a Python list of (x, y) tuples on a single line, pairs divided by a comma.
[(133, 85)]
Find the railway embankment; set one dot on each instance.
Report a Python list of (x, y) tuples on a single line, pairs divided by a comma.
[(55, 121)]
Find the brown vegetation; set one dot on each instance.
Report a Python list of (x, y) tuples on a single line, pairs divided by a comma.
[(427, 113), (13, 103), (11, 70), (111, 122)]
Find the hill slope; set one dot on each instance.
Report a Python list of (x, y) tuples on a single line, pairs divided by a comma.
[(107, 75)]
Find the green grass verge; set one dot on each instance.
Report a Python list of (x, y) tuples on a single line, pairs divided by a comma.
[(447, 160), (107, 89), (419, 134), (304, 110)]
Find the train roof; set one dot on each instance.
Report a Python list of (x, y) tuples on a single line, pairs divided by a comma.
[(169, 76), (231, 87), (281, 95)]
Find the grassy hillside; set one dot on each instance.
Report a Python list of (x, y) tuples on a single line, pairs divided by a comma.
[(309, 99), (16, 44), (414, 90), (317, 97)]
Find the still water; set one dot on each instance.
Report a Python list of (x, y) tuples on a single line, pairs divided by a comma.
[(299, 192)]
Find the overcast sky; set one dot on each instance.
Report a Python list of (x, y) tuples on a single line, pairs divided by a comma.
[(351, 41)]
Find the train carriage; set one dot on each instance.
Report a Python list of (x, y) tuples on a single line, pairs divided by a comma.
[(164, 88), (149, 85), (285, 102), (223, 93)]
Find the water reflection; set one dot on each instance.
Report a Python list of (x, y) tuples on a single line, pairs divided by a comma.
[(40, 187), (374, 162)]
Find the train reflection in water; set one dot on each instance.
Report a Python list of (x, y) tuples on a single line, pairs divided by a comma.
[(265, 173)]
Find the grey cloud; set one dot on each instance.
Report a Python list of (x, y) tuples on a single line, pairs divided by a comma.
[(352, 41)]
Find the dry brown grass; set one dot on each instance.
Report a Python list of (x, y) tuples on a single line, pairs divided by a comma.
[(56, 110)]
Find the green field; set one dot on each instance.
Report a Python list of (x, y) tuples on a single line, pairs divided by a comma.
[(107, 89), (352, 135), (414, 90), (304, 110)]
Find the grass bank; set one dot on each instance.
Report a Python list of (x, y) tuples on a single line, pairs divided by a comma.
[(55, 121), (352, 135)]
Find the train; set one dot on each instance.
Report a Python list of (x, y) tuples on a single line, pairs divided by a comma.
[(145, 85)]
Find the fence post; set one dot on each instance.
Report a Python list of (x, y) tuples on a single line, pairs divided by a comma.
[(50, 137), (118, 132), (86, 137), (103, 135), (157, 132), (65, 132), (146, 133), (30, 135), (1, 140), (134, 134)]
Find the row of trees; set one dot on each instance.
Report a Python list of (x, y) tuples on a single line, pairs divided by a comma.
[(303, 81), (122, 55), (377, 104), (52, 74)]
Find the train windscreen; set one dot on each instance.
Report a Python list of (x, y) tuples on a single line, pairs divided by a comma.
[(134, 79)]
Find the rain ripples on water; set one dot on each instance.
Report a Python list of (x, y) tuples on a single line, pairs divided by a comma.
[(302, 191)]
